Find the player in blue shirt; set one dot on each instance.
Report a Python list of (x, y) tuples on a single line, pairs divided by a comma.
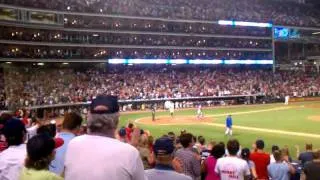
[(229, 125)]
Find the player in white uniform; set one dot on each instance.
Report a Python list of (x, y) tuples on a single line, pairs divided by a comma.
[(199, 112), (171, 109), (286, 102)]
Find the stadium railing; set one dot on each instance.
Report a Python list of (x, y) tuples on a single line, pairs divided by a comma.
[(145, 104)]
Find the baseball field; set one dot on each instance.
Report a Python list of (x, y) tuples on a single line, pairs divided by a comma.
[(277, 124)]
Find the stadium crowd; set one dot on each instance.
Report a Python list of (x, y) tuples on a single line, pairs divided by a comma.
[(280, 12), (141, 52), (2, 93), (120, 24), (39, 86), (130, 39), (63, 150)]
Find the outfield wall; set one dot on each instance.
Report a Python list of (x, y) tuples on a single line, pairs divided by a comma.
[(303, 99)]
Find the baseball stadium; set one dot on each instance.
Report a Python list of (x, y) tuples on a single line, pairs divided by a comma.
[(160, 89)]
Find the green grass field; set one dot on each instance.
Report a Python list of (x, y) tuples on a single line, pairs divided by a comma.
[(293, 118)]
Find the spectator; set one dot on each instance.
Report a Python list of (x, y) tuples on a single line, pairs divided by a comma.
[(48, 129), (150, 143), (232, 167), (281, 168), (32, 131), (145, 153), (122, 135), (70, 128), (261, 160), (305, 156), (110, 158), (286, 154), (40, 150), (312, 168), (208, 166), (190, 160), (129, 131), (172, 136), (4, 117), (12, 159), (245, 155), (273, 148), (165, 164), (201, 144)]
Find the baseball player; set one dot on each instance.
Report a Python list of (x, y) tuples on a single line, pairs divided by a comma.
[(153, 111), (287, 98), (229, 125), (171, 109), (199, 112)]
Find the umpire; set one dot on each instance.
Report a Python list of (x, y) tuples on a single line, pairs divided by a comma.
[(153, 111)]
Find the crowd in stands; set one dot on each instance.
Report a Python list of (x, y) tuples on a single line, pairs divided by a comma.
[(130, 39), (106, 151), (136, 51), (119, 24), (39, 86), (280, 12), (2, 93)]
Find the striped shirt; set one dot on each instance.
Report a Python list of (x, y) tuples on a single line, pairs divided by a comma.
[(191, 165)]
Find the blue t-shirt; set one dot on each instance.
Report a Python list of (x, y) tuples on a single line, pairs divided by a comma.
[(229, 122), (279, 171), (57, 165)]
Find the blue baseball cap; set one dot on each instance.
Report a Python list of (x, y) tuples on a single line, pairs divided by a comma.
[(104, 105), (163, 146), (14, 127), (122, 132)]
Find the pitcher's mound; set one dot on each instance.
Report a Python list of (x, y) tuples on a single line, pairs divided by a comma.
[(167, 120), (314, 118)]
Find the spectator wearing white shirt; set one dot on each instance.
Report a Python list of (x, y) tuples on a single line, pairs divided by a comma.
[(12, 159), (232, 167), (98, 155), (273, 149)]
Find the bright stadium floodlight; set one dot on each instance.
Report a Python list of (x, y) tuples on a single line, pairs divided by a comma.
[(231, 61), (223, 22), (177, 61), (264, 61), (248, 61), (185, 61), (205, 61), (147, 61), (117, 61), (253, 24), (242, 23)]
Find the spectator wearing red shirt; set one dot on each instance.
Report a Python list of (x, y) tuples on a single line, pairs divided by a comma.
[(129, 130), (261, 160)]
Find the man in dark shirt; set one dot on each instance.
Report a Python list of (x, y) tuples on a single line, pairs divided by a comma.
[(312, 168), (306, 156)]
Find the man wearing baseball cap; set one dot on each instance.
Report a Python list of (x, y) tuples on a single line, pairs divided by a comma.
[(12, 159), (40, 153), (98, 155), (163, 150)]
